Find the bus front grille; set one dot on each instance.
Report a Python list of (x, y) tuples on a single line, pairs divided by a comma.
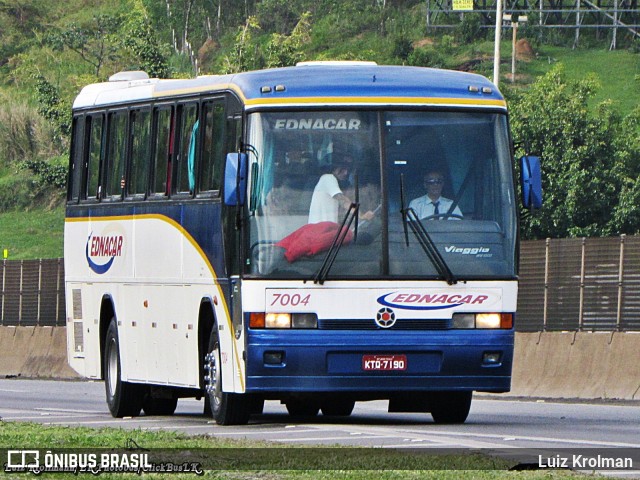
[(370, 324)]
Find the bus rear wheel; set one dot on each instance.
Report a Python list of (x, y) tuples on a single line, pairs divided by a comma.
[(226, 408), (124, 399), (450, 407)]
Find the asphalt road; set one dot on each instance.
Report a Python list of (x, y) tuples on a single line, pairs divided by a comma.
[(493, 424)]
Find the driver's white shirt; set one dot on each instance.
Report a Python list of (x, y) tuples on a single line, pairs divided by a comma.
[(423, 206)]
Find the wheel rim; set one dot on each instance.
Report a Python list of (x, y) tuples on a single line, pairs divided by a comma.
[(112, 367), (212, 379)]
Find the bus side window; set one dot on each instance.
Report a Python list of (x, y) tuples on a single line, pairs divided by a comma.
[(77, 159), (94, 130), (140, 153), (117, 142), (161, 174), (187, 153), (213, 146)]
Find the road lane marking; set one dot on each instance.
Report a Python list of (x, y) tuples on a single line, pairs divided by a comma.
[(70, 410), (323, 439)]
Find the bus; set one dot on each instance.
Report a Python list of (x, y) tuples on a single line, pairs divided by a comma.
[(194, 266)]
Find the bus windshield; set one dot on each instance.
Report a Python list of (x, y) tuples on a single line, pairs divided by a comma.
[(450, 170)]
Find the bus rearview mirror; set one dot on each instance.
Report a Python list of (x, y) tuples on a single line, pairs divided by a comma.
[(235, 179), (531, 181)]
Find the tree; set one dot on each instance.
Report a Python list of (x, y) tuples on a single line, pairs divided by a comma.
[(283, 50), (140, 39), (18, 21), (588, 160), (95, 42), (244, 54)]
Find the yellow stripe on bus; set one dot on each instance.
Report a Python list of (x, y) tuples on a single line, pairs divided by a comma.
[(426, 101)]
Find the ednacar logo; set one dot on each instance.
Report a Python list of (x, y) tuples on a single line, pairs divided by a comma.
[(318, 124), (430, 301), (102, 250)]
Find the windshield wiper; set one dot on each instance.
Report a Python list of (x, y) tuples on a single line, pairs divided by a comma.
[(338, 240), (410, 219)]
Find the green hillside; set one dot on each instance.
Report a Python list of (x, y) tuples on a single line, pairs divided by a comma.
[(49, 50)]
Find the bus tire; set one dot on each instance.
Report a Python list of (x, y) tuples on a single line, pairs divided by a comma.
[(450, 407), (226, 408), (159, 406), (338, 408), (124, 399)]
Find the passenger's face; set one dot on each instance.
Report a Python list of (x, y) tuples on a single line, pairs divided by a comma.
[(342, 173)]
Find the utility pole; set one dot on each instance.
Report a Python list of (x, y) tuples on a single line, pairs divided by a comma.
[(496, 48), (514, 26)]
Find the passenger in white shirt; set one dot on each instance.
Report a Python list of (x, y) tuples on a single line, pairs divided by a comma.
[(433, 206), (327, 195)]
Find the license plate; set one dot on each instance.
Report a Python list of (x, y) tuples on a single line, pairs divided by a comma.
[(384, 362)]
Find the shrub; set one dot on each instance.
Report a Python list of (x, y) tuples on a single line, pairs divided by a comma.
[(426, 57), (23, 133), (469, 29)]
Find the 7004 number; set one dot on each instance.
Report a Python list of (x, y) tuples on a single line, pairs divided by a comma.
[(290, 300)]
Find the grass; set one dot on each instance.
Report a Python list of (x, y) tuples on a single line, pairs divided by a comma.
[(615, 70), (259, 459), (37, 233)]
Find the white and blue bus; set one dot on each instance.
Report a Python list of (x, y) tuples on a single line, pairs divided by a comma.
[(195, 266)]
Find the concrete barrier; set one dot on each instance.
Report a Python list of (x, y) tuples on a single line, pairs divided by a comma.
[(548, 364), (34, 352), (577, 365)]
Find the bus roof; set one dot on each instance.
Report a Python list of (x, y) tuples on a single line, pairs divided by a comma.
[(312, 84)]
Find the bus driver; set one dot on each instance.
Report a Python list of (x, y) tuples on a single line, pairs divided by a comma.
[(433, 205)]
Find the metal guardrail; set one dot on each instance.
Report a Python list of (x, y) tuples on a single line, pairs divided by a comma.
[(580, 284), (575, 284), (32, 292)]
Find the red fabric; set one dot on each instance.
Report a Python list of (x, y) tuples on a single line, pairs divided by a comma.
[(311, 239)]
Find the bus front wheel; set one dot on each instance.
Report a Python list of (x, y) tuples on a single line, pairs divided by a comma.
[(450, 407), (123, 399), (226, 408)]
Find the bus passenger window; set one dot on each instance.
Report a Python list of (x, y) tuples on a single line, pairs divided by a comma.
[(77, 159), (213, 144), (185, 170), (95, 124), (163, 150), (117, 148), (140, 133)]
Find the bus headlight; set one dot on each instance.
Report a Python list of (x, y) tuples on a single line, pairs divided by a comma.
[(304, 320), (283, 320), (483, 320), (277, 320), (488, 320), (464, 320)]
